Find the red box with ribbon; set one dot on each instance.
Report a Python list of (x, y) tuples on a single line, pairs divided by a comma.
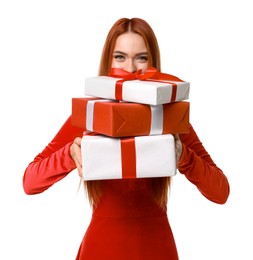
[(151, 87), (121, 119), (130, 157)]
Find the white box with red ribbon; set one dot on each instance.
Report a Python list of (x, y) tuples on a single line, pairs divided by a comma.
[(129, 157), (154, 89)]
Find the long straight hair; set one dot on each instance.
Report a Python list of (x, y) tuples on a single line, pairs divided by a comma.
[(160, 185)]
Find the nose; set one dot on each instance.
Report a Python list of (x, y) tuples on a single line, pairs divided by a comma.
[(131, 67)]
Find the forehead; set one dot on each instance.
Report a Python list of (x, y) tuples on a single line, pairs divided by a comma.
[(130, 42)]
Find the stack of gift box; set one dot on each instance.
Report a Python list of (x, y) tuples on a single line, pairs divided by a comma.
[(131, 119)]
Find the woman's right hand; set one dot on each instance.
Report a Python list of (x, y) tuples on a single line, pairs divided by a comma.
[(75, 152)]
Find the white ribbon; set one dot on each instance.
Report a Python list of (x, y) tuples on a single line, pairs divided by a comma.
[(90, 112), (156, 120)]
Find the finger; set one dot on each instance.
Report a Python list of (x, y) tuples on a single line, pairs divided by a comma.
[(80, 172), (78, 141), (78, 163), (176, 137)]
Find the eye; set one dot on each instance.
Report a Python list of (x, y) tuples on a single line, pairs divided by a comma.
[(119, 57), (142, 58)]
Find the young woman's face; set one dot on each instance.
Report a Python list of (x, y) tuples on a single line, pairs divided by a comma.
[(130, 53)]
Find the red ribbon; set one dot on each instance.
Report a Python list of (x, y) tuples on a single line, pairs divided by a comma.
[(128, 157), (151, 74)]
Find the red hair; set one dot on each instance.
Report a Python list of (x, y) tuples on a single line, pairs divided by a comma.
[(135, 25), (161, 185)]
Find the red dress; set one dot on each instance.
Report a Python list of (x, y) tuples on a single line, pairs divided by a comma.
[(127, 223)]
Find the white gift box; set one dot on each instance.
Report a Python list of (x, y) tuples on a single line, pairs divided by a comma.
[(131, 157), (139, 91)]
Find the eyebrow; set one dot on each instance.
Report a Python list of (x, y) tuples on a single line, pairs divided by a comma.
[(123, 53)]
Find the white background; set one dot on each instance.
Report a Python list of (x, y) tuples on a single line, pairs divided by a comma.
[(47, 48)]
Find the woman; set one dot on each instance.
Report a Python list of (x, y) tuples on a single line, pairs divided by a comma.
[(129, 219)]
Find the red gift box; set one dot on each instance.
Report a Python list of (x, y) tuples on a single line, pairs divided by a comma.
[(119, 119)]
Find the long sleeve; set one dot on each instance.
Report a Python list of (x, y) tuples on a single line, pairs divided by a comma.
[(198, 167), (53, 163)]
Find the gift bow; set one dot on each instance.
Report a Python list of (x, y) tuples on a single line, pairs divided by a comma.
[(151, 74)]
